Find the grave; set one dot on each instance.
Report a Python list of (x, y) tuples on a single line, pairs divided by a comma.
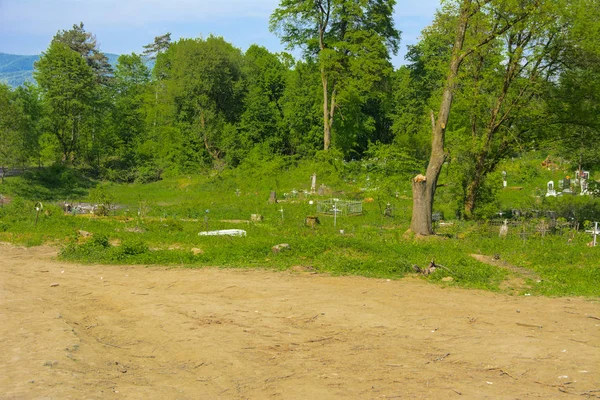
[(595, 232), (224, 232), (567, 185), (388, 212), (313, 183), (344, 207), (550, 192), (273, 197)]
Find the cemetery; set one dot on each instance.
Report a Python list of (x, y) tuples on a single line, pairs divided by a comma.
[(392, 203), (326, 218), (277, 271)]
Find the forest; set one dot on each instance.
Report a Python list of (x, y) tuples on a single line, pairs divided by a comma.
[(489, 80)]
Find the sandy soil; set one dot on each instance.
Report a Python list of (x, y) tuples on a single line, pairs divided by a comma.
[(128, 332)]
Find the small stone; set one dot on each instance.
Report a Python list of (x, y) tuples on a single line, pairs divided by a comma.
[(278, 248), (447, 279), (84, 233), (53, 284), (196, 251)]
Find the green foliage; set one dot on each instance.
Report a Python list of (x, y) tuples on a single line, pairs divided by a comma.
[(56, 182)]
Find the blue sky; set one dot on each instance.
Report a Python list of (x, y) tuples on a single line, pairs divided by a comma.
[(124, 26)]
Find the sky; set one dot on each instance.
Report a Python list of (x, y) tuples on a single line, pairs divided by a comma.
[(124, 26)]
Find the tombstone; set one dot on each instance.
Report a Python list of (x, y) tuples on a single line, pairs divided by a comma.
[(256, 218), (273, 197), (584, 187), (312, 221), (321, 190), (313, 183), (584, 176), (437, 216), (567, 185), (503, 178), (504, 229), (550, 192), (388, 210)]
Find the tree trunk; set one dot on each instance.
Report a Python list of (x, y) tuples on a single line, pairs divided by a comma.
[(423, 187), (326, 115)]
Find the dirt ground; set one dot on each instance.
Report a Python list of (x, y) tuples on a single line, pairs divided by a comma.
[(73, 331)]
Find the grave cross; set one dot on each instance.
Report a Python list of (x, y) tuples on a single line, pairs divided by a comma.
[(38, 207), (543, 228), (335, 211), (524, 233), (595, 232)]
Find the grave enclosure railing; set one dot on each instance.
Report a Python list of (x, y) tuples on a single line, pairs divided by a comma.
[(344, 207), (527, 228)]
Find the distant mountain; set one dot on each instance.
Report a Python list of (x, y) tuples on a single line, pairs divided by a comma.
[(16, 69)]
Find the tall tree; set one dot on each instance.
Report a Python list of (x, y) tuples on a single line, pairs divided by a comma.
[(204, 85), (338, 33), (68, 86), (424, 186), (130, 89), (261, 121), (160, 45), (12, 131), (84, 43)]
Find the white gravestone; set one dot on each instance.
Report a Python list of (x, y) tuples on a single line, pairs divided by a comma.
[(550, 191)]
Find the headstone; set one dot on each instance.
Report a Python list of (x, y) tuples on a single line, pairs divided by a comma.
[(256, 217), (313, 183), (388, 210), (584, 176), (504, 229), (278, 248), (312, 221), (504, 178), (550, 192), (273, 197), (321, 190), (567, 185)]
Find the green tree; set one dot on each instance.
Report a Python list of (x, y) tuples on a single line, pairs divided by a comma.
[(349, 38), (504, 16), (262, 118), (204, 90), (12, 131), (160, 45), (67, 83), (131, 86), (84, 43)]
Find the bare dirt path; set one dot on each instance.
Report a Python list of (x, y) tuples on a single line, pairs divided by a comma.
[(73, 331)]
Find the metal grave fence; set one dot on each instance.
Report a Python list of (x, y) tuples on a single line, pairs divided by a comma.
[(344, 207)]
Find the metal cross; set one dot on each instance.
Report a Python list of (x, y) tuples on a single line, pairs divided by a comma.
[(335, 211), (594, 232)]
